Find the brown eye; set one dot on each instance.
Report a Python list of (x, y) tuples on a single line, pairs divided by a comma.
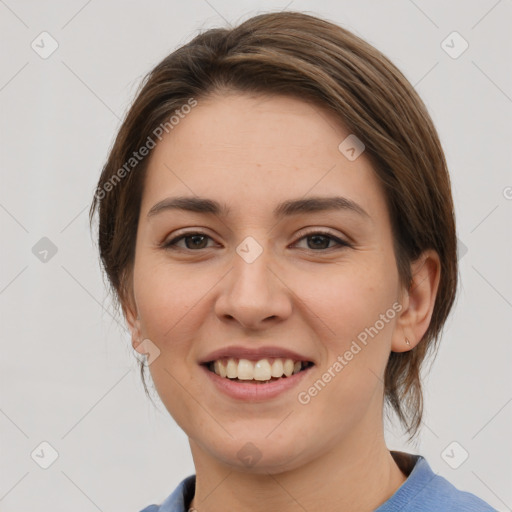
[(192, 241), (196, 241), (320, 240)]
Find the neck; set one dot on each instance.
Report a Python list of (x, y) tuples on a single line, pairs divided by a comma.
[(357, 475)]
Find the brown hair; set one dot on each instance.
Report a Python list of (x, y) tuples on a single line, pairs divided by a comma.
[(297, 54)]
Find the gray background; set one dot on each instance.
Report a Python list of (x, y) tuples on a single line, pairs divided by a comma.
[(68, 375)]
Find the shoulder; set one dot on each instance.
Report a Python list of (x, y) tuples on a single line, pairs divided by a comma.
[(178, 500), (426, 491), (440, 492)]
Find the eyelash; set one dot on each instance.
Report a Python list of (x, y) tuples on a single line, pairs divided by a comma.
[(171, 245)]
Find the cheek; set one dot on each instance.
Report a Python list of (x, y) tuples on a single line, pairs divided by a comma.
[(168, 303), (166, 300), (351, 299), (355, 304)]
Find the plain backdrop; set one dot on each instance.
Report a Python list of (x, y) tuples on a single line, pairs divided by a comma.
[(68, 376)]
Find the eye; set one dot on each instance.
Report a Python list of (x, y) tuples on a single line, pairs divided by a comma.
[(196, 239), (321, 241)]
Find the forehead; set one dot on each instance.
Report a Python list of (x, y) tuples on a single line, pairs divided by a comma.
[(255, 151)]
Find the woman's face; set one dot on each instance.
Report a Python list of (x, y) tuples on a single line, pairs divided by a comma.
[(276, 276)]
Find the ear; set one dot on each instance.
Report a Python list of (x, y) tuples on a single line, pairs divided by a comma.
[(417, 302), (132, 319)]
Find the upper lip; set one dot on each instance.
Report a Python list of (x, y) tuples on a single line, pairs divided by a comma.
[(253, 354)]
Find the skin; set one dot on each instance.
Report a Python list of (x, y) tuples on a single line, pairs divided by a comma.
[(253, 152)]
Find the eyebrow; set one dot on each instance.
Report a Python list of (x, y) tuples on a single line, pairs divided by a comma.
[(285, 209)]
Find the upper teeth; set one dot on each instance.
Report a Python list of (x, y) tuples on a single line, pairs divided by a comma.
[(263, 369)]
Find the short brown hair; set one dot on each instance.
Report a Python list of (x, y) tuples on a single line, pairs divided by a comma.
[(297, 54)]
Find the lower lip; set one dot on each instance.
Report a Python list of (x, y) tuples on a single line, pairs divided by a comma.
[(255, 392)]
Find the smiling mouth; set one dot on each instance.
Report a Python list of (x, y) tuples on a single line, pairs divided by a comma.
[(262, 371)]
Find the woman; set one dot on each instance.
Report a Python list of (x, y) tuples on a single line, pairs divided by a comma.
[(276, 220)]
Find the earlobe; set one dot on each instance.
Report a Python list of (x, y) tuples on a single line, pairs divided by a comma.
[(133, 321), (419, 304), (135, 333)]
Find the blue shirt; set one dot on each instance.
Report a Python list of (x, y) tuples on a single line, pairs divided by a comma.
[(423, 491)]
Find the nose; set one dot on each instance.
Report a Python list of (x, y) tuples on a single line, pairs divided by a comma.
[(254, 295)]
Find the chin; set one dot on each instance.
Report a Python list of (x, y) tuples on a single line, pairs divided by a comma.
[(261, 455)]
